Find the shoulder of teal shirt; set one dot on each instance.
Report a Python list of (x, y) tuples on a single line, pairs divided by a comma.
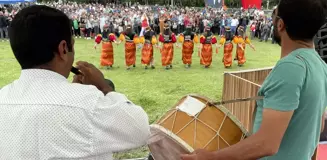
[(281, 89)]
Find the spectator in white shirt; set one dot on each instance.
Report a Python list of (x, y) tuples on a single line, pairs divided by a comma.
[(234, 25), (43, 116)]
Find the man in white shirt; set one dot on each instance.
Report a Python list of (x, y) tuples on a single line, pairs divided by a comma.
[(42, 116), (234, 25)]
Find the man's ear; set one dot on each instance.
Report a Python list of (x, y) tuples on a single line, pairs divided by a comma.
[(62, 50), (281, 25)]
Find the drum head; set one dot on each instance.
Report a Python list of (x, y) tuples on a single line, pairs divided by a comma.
[(164, 145)]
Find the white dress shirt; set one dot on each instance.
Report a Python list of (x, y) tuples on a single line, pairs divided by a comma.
[(43, 116), (234, 22)]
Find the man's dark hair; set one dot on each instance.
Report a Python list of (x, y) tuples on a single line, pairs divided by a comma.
[(302, 18), (35, 34)]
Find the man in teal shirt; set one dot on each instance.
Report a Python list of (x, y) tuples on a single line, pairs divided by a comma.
[(288, 119)]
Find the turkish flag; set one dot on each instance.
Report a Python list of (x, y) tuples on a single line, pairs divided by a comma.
[(322, 152), (250, 3)]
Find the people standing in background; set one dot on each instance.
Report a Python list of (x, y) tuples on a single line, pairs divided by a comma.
[(88, 26), (265, 30), (244, 22), (222, 25), (216, 25), (96, 26), (3, 27), (145, 24), (201, 25), (228, 21), (234, 24), (103, 20), (77, 31), (252, 29), (182, 20), (136, 25)]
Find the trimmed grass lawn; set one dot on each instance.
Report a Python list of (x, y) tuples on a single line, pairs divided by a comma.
[(155, 90)]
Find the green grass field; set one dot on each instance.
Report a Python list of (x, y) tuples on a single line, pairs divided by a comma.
[(155, 90)]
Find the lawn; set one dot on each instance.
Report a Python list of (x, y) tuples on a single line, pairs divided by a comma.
[(155, 90)]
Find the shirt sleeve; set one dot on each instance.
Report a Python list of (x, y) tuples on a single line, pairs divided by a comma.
[(118, 124), (282, 91)]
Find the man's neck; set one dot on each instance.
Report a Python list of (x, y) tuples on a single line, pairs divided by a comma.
[(289, 46)]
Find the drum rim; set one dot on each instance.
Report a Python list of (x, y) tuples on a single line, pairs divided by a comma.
[(173, 137)]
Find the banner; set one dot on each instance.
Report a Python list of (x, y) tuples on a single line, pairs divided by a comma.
[(251, 3), (15, 1), (214, 3)]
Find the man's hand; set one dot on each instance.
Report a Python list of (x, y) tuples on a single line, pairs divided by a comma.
[(200, 154), (91, 75), (77, 79)]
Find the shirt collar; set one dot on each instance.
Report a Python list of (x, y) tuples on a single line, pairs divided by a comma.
[(41, 74)]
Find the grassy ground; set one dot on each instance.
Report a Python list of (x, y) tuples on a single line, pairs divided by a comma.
[(155, 90)]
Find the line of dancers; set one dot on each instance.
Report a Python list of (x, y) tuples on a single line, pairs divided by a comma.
[(166, 42)]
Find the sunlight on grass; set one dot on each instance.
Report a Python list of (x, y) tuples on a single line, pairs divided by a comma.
[(155, 90)]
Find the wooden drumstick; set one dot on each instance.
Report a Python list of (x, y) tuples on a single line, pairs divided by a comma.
[(75, 71), (237, 100)]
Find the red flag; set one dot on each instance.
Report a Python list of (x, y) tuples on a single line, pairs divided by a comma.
[(246, 4)]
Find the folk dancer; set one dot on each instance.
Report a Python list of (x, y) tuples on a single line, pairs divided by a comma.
[(226, 40), (241, 40), (107, 53), (205, 52), (147, 50), (188, 38), (131, 39), (168, 39)]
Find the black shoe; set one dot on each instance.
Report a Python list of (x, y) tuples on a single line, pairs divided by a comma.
[(206, 67), (167, 68), (171, 66), (152, 67), (134, 65), (111, 66), (128, 68), (146, 67)]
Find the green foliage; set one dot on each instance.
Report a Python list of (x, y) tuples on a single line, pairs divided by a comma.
[(155, 90)]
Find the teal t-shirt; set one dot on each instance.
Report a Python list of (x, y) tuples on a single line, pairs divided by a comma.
[(298, 82)]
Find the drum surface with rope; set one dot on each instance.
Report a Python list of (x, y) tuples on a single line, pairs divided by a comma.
[(194, 123)]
